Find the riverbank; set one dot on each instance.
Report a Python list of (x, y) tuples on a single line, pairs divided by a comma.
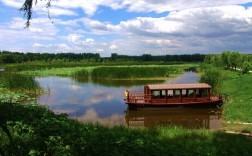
[(238, 108), (132, 72)]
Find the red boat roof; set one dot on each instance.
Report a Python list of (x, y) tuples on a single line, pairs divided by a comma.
[(179, 86)]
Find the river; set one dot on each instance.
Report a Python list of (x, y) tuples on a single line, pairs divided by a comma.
[(102, 102)]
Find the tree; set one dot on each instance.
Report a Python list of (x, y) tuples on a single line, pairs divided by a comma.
[(27, 9), (224, 59), (246, 66), (213, 77), (235, 59)]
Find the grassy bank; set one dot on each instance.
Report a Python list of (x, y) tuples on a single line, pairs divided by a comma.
[(35, 130), (238, 109), (135, 72), (114, 72), (40, 65), (16, 88)]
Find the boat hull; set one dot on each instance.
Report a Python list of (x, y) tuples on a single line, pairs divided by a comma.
[(216, 103)]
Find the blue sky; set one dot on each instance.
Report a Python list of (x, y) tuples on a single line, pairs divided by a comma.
[(156, 27)]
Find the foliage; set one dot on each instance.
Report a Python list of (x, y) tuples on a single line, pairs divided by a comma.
[(246, 66), (7, 57), (239, 105), (19, 82), (27, 9), (37, 131), (133, 72), (213, 77), (230, 60), (70, 71), (16, 88)]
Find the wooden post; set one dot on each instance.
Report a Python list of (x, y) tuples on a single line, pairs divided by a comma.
[(166, 92), (209, 94), (180, 95), (195, 97)]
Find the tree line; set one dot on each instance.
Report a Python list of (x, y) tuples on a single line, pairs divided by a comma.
[(230, 60), (7, 57)]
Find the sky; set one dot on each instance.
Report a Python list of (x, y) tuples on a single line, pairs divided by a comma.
[(129, 27)]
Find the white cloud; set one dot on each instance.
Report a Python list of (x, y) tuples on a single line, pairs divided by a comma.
[(100, 50), (89, 40), (13, 3), (37, 45), (55, 11), (160, 6), (90, 7), (112, 46), (75, 38), (195, 26)]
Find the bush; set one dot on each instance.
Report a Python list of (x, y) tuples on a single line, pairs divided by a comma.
[(213, 77)]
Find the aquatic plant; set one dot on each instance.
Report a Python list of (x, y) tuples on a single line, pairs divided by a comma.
[(19, 82), (126, 72)]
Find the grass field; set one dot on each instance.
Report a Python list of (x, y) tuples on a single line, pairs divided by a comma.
[(238, 108)]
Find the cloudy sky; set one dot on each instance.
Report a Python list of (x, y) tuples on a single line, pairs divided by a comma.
[(132, 27)]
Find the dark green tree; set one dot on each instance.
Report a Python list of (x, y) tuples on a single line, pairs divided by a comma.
[(213, 77)]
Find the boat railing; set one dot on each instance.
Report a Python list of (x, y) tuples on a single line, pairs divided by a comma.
[(141, 97), (137, 96)]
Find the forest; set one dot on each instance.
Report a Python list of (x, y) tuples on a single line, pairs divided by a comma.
[(7, 57)]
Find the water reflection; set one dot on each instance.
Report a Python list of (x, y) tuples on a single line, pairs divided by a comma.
[(92, 116), (125, 83), (102, 101), (187, 77), (192, 118), (117, 83)]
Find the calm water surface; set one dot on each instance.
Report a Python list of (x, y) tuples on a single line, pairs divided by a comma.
[(102, 101)]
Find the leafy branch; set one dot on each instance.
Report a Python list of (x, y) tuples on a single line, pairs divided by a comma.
[(27, 10)]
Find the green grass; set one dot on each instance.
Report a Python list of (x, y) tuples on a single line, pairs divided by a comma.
[(238, 108), (113, 72), (35, 130), (53, 71), (19, 82), (16, 88)]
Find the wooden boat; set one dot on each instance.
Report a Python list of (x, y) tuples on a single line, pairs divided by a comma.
[(198, 94)]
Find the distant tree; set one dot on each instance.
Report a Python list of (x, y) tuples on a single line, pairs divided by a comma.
[(235, 59), (224, 59), (146, 57)]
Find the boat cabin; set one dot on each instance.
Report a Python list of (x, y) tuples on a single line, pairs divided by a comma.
[(172, 94)]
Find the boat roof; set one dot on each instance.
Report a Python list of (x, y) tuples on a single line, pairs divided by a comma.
[(179, 86)]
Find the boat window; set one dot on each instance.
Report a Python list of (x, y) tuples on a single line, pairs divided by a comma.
[(170, 92), (155, 93), (197, 93), (184, 92), (163, 93), (177, 93), (190, 93), (205, 93)]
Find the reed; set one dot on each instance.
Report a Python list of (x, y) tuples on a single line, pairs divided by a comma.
[(19, 82), (131, 72)]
